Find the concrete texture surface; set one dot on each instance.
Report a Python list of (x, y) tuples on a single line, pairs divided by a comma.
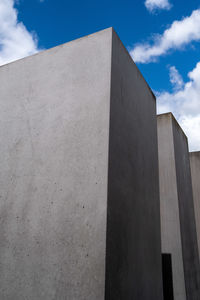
[(133, 258), (169, 206), (187, 216), (54, 163), (195, 172), (78, 180), (180, 157)]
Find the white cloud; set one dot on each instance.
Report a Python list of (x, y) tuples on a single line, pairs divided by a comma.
[(15, 40), (185, 105), (153, 5), (179, 34), (175, 78)]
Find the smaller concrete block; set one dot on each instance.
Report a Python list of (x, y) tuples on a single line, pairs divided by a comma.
[(169, 206), (177, 208), (195, 172)]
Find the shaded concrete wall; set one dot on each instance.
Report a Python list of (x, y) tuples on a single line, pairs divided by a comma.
[(133, 262), (195, 172), (79, 176), (187, 216), (170, 221)]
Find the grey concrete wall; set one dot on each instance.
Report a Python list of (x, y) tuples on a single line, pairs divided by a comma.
[(133, 262), (187, 216), (195, 172), (79, 176), (169, 206), (54, 112)]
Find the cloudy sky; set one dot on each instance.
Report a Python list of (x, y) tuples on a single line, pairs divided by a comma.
[(162, 36)]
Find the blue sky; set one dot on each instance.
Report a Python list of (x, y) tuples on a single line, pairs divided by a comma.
[(163, 37)]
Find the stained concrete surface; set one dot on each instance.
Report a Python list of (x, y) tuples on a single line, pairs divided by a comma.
[(78, 178), (195, 172)]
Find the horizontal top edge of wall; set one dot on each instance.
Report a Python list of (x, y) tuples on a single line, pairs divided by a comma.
[(165, 114), (195, 153)]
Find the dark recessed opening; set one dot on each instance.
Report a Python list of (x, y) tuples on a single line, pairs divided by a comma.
[(167, 276)]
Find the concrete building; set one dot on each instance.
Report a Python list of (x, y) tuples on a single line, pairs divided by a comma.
[(195, 172), (178, 231), (79, 202)]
